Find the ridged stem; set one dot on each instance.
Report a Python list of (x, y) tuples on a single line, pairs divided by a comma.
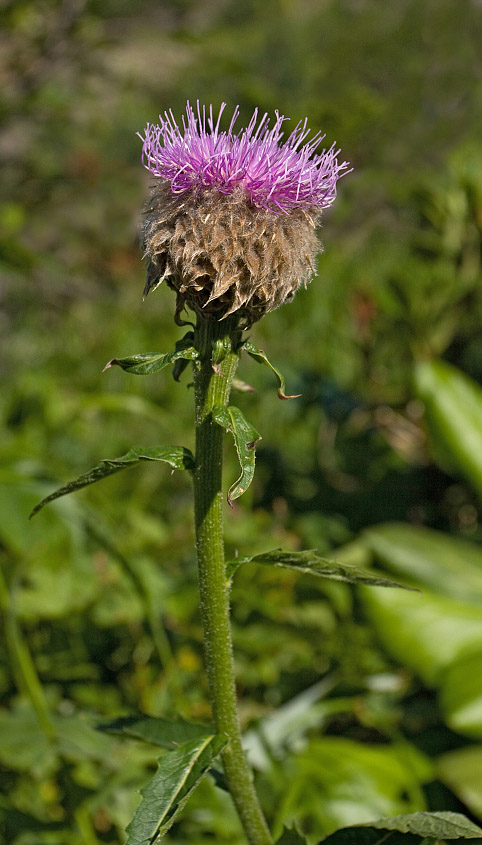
[(217, 344)]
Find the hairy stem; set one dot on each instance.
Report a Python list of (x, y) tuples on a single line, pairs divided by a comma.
[(217, 344)]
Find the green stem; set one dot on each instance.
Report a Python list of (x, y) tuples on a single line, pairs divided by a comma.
[(25, 673), (217, 344)]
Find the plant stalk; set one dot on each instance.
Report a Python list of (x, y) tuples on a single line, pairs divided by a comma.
[(218, 347)]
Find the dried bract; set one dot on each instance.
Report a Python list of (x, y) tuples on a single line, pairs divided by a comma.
[(231, 221)]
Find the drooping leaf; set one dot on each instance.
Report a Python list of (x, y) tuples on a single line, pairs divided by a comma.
[(178, 774), (262, 358), (161, 732), (310, 563), (151, 362), (425, 825), (176, 456), (453, 404), (245, 439)]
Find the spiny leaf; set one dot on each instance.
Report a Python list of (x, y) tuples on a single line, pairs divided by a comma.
[(309, 562), (245, 438), (262, 358), (426, 825), (161, 732), (178, 774), (175, 456), (152, 362)]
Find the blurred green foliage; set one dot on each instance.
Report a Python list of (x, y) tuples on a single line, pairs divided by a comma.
[(356, 704)]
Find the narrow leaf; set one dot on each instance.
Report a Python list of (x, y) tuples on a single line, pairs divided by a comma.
[(177, 457), (161, 732), (310, 563), (152, 362), (436, 825), (261, 357), (178, 774), (245, 438)]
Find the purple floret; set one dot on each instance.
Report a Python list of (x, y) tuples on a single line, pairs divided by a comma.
[(279, 176)]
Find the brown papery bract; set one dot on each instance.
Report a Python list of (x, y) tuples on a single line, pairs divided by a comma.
[(221, 254)]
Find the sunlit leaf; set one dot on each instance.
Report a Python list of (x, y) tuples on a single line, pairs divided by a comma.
[(453, 404), (262, 358), (245, 439), (426, 633), (426, 825), (461, 694), (175, 456), (178, 774), (461, 771), (310, 563), (151, 362), (431, 559)]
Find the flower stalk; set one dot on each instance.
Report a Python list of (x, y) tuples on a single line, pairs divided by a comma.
[(218, 344)]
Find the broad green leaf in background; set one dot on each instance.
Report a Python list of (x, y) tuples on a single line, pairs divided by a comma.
[(177, 457), (461, 771), (335, 781), (425, 825), (424, 632), (262, 358), (461, 694), (310, 563), (428, 558), (453, 404), (178, 774), (160, 732), (151, 362), (245, 439)]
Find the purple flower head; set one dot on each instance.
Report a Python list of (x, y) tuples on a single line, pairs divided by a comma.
[(276, 175)]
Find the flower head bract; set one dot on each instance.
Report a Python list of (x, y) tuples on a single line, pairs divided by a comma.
[(232, 217)]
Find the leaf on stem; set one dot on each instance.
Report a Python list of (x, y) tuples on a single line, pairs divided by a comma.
[(161, 732), (261, 357), (400, 829), (176, 456), (245, 439), (310, 563), (152, 362), (178, 774)]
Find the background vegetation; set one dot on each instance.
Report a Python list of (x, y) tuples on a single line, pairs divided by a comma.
[(356, 704)]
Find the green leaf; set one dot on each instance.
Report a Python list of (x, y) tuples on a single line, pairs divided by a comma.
[(262, 358), (159, 732), (310, 563), (461, 694), (426, 825), (461, 771), (453, 404), (175, 456), (424, 633), (335, 781), (432, 559), (178, 774), (245, 439), (152, 362)]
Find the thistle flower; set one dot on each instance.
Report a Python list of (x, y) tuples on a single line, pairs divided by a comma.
[(231, 221)]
